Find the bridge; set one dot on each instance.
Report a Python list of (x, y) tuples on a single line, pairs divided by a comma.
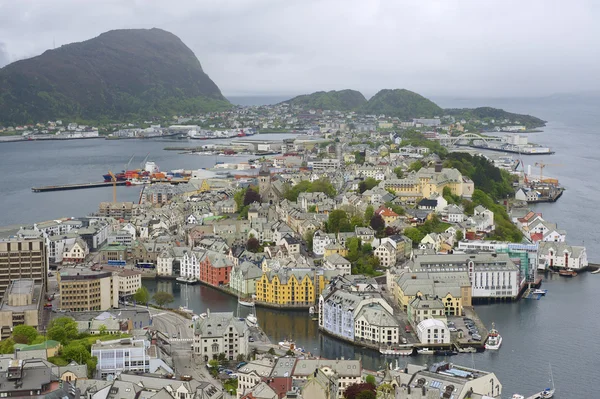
[(473, 136)]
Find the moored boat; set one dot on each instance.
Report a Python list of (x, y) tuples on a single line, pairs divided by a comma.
[(251, 320), (425, 351), (494, 339), (185, 309), (287, 344), (567, 272), (187, 280), (540, 292), (245, 303)]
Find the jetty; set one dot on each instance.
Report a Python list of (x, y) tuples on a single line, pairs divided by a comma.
[(76, 186)]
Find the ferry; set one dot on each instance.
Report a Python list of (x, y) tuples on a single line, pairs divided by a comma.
[(494, 339)]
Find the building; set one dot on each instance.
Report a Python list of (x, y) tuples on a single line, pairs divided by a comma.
[(117, 210), (347, 372), (23, 259), (433, 331), (127, 281), (34, 379), (321, 240), (386, 253), (559, 255), (113, 253), (491, 275), (422, 308), (127, 355), (244, 277), (215, 268), (220, 333), (324, 164), (338, 262), (251, 375), (447, 380), (85, 290), (21, 305), (75, 252), (291, 287)]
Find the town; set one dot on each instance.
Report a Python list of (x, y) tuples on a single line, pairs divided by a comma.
[(381, 235)]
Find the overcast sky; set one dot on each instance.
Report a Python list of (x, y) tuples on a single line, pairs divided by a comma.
[(447, 47)]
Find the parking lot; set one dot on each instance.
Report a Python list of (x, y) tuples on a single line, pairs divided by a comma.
[(462, 330)]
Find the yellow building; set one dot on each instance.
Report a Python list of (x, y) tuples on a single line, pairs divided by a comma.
[(335, 249), (291, 287), (86, 290), (429, 181), (454, 289)]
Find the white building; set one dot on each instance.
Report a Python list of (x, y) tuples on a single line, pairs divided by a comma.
[(561, 256), (190, 264), (386, 253), (321, 240), (375, 323), (126, 355), (75, 252), (338, 262), (220, 333), (433, 331)]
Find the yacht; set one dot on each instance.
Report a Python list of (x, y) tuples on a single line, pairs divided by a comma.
[(251, 320), (286, 344), (248, 304), (494, 339), (540, 292), (425, 351)]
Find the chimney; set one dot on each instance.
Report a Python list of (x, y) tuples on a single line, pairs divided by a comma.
[(438, 166), (207, 313)]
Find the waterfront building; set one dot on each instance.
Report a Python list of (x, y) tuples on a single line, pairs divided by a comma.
[(559, 255), (375, 324), (127, 355), (422, 308), (491, 275), (453, 288), (84, 290), (445, 380), (127, 281), (292, 287), (21, 305), (220, 333), (346, 372), (23, 259), (215, 268), (244, 277), (433, 331), (251, 375)]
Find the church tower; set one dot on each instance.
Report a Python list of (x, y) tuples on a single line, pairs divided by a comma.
[(264, 183)]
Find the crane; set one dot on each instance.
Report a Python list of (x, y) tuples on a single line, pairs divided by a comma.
[(542, 165), (129, 163), (113, 178)]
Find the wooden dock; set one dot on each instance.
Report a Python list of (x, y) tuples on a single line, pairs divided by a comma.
[(76, 186)]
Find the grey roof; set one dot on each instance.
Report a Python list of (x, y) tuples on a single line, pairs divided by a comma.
[(459, 262), (337, 259), (217, 323), (377, 315), (345, 368)]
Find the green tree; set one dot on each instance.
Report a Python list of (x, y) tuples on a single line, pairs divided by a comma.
[(238, 197), (102, 329), (414, 234), (312, 209), (399, 172), (213, 363), (162, 298), (91, 363), (337, 220), (308, 238), (367, 184), (371, 380), (459, 235), (222, 357), (7, 346), (353, 245), (23, 334), (62, 329), (76, 351), (271, 351), (290, 352), (241, 357), (369, 212), (415, 166), (141, 295)]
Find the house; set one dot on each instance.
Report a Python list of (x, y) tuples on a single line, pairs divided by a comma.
[(335, 249), (453, 214), (388, 215), (437, 203), (75, 252), (386, 253), (338, 262), (424, 307), (220, 333), (244, 277), (365, 234), (433, 331)]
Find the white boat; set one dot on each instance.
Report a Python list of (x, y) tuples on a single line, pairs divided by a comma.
[(311, 310), (425, 351), (596, 271), (251, 320), (245, 303), (540, 292), (185, 309), (186, 280), (286, 344), (494, 339), (203, 315)]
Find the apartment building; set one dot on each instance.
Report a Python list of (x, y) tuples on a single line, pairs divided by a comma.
[(23, 259), (85, 290), (220, 333), (21, 305)]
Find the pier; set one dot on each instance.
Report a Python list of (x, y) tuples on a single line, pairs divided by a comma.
[(76, 186)]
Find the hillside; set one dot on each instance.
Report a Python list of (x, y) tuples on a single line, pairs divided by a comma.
[(117, 75), (402, 103), (342, 100), (496, 114)]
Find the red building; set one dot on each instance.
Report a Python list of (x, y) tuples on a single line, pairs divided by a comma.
[(215, 268)]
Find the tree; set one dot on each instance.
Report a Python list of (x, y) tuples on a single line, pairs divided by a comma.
[(163, 298), (141, 295), (367, 184), (213, 363), (354, 390), (23, 334), (75, 351), (370, 379), (367, 394), (289, 352), (62, 329), (312, 209), (91, 363), (385, 391), (271, 351), (337, 220), (377, 223), (222, 357), (369, 212), (238, 197), (241, 357), (415, 166), (459, 236), (102, 329), (253, 245), (353, 245), (308, 237), (414, 234), (399, 172), (390, 231), (7, 346), (251, 196)]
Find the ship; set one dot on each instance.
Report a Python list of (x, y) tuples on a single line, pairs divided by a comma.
[(567, 273), (494, 339)]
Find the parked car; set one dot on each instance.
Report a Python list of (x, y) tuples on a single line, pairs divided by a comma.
[(476, 337), (241, 364), (452, 329)]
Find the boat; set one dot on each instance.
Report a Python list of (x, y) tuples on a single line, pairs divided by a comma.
[(425, 351), (185, 309), (311, 310), (396, 352), (540, 292), (187, 280), (251, 320), (468, 349), (245, 303), (567, 272), (445, 353), (494, 339), (287, 344), (596, 271)]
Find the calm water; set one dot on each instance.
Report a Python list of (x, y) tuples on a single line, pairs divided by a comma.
[(561, 329)]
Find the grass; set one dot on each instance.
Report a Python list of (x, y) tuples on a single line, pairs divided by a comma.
[(57, 360)]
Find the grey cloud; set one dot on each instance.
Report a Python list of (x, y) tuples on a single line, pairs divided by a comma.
[(447, 47)]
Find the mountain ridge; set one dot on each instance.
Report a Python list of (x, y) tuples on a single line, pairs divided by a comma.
[(113, 76)]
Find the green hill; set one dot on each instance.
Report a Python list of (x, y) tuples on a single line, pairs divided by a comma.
[(497, 114), (117, 75), (342, 100), (402, 103)]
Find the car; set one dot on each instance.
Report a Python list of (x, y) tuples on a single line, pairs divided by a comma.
[(250, 339), (407, 328), (240, 365), (452, 329), (185, 378), (174, 336), (476, 337), (227, 371)]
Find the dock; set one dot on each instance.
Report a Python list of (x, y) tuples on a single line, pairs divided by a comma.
[(530, 293), (76, 186)]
